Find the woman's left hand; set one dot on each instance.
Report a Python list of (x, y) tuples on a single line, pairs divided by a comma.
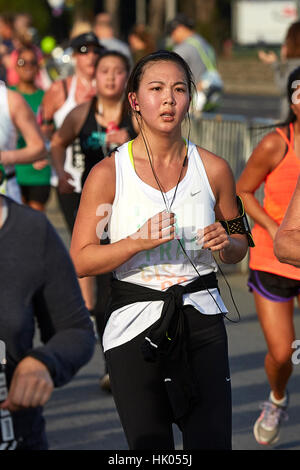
[(213, 237), (40, 164)]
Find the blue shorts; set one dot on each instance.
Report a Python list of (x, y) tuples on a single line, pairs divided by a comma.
[(272, 286)]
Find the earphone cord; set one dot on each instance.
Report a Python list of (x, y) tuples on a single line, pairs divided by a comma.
[(179, 241), (168, 206)]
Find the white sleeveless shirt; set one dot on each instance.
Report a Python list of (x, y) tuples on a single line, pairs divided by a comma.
[(8, 141), (8, 134), (74, 168), (135, 202)]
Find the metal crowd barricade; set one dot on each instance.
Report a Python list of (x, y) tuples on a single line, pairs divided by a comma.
[(232, 137), (257, 129), (224, 135)]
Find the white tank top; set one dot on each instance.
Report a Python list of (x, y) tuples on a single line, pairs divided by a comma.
[(8, 134), (4, 211), (68, 105), (135, 202), (74, 168)]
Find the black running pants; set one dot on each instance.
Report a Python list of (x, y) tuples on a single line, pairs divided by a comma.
[(69, 204), (142, 401)]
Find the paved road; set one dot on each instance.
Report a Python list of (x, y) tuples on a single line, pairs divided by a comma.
[(81, 416)]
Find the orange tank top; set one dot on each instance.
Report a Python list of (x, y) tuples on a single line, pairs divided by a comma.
[(278, 190)]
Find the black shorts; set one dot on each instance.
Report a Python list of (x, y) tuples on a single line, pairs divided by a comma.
[(69, 204), (39, 193), (272, 286)]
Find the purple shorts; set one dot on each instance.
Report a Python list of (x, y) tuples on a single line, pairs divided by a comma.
[(272, 286)]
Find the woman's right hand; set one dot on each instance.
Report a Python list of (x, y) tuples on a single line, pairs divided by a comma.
[(267, 57), (272, 229), (64, 185), (157, 230)]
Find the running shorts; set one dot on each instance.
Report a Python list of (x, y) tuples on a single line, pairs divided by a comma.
[(39, 193), (272, 286)]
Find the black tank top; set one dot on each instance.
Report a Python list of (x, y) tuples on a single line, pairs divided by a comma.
[(92, 138)]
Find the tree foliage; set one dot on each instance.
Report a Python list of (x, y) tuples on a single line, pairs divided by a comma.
[(41, 12), (37, 8), (215, 24)]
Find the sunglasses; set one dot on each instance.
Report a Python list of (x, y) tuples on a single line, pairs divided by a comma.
[(22, 62), (86, 49)]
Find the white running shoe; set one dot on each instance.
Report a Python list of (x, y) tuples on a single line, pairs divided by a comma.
[(267, 426)]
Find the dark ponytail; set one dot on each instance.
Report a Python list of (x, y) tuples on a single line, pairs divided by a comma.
[(290, 90)]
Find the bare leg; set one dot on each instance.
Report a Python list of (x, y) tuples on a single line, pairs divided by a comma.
[(87, 285), (276, 319), (38, 206)]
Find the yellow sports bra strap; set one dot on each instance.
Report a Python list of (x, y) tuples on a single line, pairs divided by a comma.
[(130, 152)]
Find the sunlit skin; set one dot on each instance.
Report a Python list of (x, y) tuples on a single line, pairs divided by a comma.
[(111, 76), (161, 103), (85, 63), (27, 72), (287, 239), (163, 98)]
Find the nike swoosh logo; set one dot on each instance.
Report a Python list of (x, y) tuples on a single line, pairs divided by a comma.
[(228, 379), (193, 193)]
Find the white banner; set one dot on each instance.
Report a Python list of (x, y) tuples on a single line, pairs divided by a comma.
[(262, 21)]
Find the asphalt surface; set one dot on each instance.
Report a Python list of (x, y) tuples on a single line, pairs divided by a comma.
[(251, 106), (81, 416)]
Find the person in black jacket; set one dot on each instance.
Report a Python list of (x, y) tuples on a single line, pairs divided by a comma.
[(38, 282)]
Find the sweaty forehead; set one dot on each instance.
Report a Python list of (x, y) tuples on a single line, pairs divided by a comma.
[(111, 61), (162, 70)]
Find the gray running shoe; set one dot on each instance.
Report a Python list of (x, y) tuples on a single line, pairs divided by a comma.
[(267, 426)]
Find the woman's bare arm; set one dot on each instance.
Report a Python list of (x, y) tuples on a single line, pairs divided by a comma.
[(91, 258), (287, 240), (233, 248), (25, 122), (62, 138), (264, 159)]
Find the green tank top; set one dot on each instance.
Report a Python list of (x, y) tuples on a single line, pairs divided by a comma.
[(27, 175)]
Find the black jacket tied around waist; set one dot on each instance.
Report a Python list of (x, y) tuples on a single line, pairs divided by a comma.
[(165, 340)]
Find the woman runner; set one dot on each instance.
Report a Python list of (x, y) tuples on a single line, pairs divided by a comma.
[(165, 341), (275, 162), (33, 178)]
